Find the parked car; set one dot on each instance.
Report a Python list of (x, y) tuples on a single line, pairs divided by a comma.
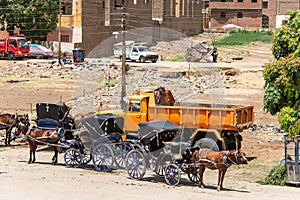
[(39, 51)]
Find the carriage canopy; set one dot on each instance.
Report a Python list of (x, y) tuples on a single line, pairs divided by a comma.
[(54, 111), (154, 133), (98, 128)]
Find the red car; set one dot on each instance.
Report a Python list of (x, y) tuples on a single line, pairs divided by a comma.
[(39, 51)]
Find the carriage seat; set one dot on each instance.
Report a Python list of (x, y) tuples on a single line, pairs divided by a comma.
[(132, 136), (47, 124)]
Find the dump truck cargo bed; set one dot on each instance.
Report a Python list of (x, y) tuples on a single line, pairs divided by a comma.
[(228, 117)]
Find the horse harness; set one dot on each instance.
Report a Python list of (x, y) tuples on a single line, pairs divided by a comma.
[(60, 131), (226, 160)]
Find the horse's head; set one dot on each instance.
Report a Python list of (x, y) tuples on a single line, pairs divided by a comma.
[(237, 157), (22, 124), (24, 119), (186, 156)]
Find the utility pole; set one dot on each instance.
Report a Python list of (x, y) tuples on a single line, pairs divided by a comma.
[(123, 92), (59, 34)]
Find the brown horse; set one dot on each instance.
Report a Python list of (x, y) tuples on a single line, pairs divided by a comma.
[(9, 121), (217, 160), (36, 136)]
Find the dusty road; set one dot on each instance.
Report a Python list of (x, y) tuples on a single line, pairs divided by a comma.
[(19, 180)]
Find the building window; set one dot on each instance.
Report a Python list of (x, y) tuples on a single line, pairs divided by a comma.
[(205, 4), (66, 8), (134, 2), (253, 1), (240, 1), (64, 38), (118, 4), (239, 15), (265, 21), (223, 15), (223, 0), (265, 4)]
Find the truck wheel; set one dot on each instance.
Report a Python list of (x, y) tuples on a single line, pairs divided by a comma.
[(207, 143), (142, 59), (11, 56), (153, 61)]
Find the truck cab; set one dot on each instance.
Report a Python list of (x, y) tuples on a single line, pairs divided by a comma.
[(142, 54), (14, 47)]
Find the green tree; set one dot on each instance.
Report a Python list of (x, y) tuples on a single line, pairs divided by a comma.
[(286, 39), (282, 76), (35, 18)]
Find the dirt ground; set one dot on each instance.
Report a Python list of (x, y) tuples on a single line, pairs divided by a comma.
[(18, 180)]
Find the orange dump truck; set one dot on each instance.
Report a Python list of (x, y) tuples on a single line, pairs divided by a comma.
[(202, 123)]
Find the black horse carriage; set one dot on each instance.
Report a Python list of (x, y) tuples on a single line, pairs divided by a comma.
[(161, 150), (103, 135), (53, 116)]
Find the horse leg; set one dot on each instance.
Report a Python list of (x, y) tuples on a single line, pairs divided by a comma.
[(33, 151), (7, 137), (201, 172), (222, 178), (31, 147), (219, 179), (54, 158), (30, 157)]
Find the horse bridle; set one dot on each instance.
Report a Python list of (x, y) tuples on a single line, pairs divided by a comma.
[(232, 162), (24, 121)]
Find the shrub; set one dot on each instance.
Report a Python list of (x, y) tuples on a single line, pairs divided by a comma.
[(276, 176)]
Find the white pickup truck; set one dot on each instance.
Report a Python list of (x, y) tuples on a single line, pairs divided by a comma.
[(135, 51)]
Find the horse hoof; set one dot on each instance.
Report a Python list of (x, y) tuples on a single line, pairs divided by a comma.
[(219, 189)]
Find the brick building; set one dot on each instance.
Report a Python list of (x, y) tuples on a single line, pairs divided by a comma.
[(245, 13), (250, 13), (145, 20)]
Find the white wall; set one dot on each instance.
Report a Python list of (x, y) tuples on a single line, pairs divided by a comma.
[(65, 47), (280, 19)]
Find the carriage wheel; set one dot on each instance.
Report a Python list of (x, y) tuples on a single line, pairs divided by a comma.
[(86, 156), (72, 158), (135, 164), (103, 157), (172, 174), (161, 164), (194, 176), (121, 150)]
